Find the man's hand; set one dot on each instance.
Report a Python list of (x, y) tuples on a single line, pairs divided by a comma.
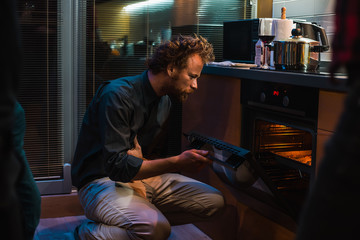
[(188, 161), (136, 151), (192, 160)]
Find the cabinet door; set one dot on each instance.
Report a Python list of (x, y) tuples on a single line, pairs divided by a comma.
[(214, 109), (330, 109)]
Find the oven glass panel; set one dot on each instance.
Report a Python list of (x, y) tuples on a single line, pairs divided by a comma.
[(285, 155), (283, 141)]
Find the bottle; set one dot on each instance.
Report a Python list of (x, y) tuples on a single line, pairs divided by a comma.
[(259, 53), (271, 55)]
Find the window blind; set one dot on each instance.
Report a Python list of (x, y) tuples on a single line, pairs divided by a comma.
[(40, 88)]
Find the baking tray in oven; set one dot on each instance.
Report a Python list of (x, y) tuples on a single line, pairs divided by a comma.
[(295, 159)]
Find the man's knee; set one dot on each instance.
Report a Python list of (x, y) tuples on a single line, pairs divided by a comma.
[(159, 229), (216, 206)]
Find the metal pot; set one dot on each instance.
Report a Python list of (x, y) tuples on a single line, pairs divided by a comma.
[(298, 53)]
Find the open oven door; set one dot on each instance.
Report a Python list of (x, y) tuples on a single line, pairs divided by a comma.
[(237, 167)]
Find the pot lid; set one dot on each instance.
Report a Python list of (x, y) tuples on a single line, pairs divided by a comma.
[(297, 37)]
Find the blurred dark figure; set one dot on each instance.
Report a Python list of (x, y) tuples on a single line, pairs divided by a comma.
[(20, 199), (10, 166), (26, 188), (332, 209)]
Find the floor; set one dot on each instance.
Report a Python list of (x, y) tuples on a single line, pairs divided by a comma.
[(57, 228), (62, 228)]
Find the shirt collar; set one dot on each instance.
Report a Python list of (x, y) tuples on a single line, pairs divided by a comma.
[(148, 91)]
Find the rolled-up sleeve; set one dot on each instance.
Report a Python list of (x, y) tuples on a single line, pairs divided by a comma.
[(115, 114)]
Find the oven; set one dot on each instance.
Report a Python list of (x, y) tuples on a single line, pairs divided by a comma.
[(279, 124)]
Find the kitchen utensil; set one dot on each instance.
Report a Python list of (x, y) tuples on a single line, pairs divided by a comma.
[(298, 52)]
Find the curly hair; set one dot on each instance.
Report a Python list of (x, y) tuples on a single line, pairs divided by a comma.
[(177, 51)]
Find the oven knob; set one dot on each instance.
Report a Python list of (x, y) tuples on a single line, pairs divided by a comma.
[(286, 101), (262, 97)]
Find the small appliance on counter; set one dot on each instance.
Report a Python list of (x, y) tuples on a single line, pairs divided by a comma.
[(239, 39), (312, 31)]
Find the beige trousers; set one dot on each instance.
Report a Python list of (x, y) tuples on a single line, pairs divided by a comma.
[(145, 209)]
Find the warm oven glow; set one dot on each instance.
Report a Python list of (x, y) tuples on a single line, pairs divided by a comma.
[(284, 141), (303, 157)]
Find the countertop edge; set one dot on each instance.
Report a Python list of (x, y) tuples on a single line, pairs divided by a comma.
[(293, 78)]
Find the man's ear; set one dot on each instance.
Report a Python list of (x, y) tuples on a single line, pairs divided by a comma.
[(170, 70)]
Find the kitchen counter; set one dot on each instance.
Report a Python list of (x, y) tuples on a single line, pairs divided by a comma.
[(317, 80)]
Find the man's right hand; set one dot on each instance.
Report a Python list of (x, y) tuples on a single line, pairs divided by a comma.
[(192, 160)]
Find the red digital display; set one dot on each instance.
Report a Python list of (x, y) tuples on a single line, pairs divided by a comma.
[(275, 93)]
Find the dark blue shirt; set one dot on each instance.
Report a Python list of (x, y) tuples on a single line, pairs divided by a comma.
[(120, 110)]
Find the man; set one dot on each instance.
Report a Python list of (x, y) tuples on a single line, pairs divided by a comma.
[(124, 194)]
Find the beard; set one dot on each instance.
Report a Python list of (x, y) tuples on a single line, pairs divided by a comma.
[(180, 94)]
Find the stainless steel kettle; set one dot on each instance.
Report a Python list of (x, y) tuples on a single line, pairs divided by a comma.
[(298, 52), (314, 32)]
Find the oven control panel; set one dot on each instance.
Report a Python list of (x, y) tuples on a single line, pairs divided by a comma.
[(296, 100), (275, 96)]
